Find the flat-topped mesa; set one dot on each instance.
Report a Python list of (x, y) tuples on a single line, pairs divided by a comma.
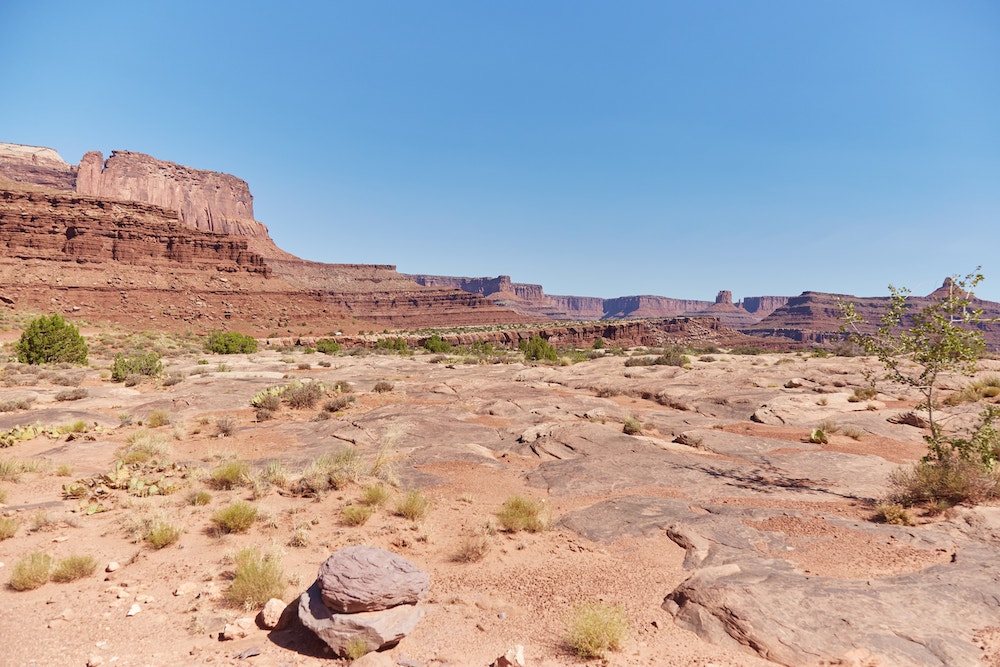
[(205, 200), (724, 298), (36, 165)]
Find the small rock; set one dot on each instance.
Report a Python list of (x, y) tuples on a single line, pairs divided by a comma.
[(514, 657), (275, 615), (122, 594), (112, 566), (238, 629), (186, 588), (249, 653), (95, 660), (133, 610)]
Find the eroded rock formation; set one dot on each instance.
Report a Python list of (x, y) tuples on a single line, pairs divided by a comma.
[(36, 165)]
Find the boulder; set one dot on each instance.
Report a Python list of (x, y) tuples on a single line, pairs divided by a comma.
[(378, 629), (363, 579)]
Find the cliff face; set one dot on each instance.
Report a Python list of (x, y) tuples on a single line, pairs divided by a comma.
[(762, 306), (36, 165), (205, 200), (35, 225)]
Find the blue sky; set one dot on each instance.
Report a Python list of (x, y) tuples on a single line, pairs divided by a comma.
[(598, 148)]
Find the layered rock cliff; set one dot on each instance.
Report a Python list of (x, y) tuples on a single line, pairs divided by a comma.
[(36, 165)]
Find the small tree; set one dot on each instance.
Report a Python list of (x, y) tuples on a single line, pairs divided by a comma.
[(51, 339), (230, 342), (538, 349), (943, 337)]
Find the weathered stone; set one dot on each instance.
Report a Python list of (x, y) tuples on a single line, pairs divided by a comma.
[(378, 629), (275, 615), (364, 578), (238, 629), (514, 657)]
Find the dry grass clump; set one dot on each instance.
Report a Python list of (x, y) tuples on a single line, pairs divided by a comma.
[(988, 387), (892, 513), (143, 446), (632, 426), (229, 475), (329, 471), (158, 418), (472, 549), (235, 518), (199, 498), (338, 403), (862, 394), (72, 394), (16, 404), (520, 513), (382, 387), (375, 495), (225, 426), (413, 506), (162, 534), (73, 568), (31, 571), (302, 395), (258, 578), (356, 515), (596, 628), (12, 469), (8, 527), (942, 484)]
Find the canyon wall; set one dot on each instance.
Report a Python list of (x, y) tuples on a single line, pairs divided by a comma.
[(36, 165)]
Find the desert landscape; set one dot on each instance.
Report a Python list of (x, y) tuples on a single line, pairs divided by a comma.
[(711, 480)]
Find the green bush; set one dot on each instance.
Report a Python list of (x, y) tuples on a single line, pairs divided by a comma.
[(436, 344), (520, 513), (73, 568), (596, 628), (235, 518), (356, 515), (162, 535), (414, 506), (147, 364), (51, 340), (230, 342), (327, 346), (258, 578), (538, 349), (393, 346), (31, 571)]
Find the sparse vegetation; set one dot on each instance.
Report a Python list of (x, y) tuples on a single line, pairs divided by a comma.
[(538, 349), (198, 498), (382, 387), (300, 395), (158, 418), (338, 403), (818, 437), (862, 394), (520, 513), (413, 506), (162, 534), (327, 346), (235, 518), (31, 571), (356, 648), (596, 628), (74, 394), (229, 474), (257, 578), (225, 426), (356, 515), (73, 568), (632, 426), (8, 527), (230, 342), (472, 549), (51, 339), (375, 495), (148, 364), (893, 513), (436, 344)]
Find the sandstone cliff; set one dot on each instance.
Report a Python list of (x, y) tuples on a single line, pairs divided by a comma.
[(36, 165)]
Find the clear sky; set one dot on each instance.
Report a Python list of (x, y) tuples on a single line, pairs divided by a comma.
[(598, 148)]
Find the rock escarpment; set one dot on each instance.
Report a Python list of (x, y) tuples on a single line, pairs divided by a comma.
[(36, 165)]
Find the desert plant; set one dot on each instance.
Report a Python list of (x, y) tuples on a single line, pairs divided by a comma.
[(8, 527), (257, 578), (356, 648), (304, 366), (158, 418), (392, 346), (893, 513), (538, 349), (862, 394), (302, 394), (632, 426), (943, 482), (230, 342), (375, 495), (327, 346), (596, 628), (472, 549), (356, 515), (172, 379), (436, 344), (73, 567), (225, 426), (148, 364), (162, 534), (229, 474), (520, 513), (31, 571), (818, 437), (382, 387), (199, 498), (413, 506), (235, 518), (72, 394), (329, 471), (338, 403), (51, 339), (143, 446)]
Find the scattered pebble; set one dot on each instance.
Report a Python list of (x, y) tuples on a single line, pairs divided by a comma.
[(133, 610), (112, 566)]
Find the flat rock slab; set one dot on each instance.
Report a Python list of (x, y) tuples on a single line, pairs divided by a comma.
[(379, 629), (740, 593), (364, 578)]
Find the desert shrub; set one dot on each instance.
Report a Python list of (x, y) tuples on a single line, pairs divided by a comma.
[(235, 518), (31, 571), (862, 394), (64, 470), (172, 379), (132, 380), (304, 366), (671, 357), (382, 387), (275, 473), (472, 549), (538, 349), (302, 394), (73, 568), (269, 399), (818, 437), (8, 527), (853, 432), (356, 515), (893, 513), (392, 346), (436, 344), (631, 362), (946, 482), (225, 426), (230, 342), (327, 346), (158, 418), (375, 495), (338, 403), (632, 426), (299, 538), (148, 364), (596, 628), (257, 578), (143, 446), (598, 344), (413, 506), (264, 414), (356, 648), (51, 339), (324, 363), (16, 404), (988, 387), (229, 474), (520, 513), (72, 394), (162, 534), (329, 471), (199, 498)]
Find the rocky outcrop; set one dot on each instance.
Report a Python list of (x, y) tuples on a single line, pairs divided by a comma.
[(762, 306), (36, 225), (205, 200), (36, 165)]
